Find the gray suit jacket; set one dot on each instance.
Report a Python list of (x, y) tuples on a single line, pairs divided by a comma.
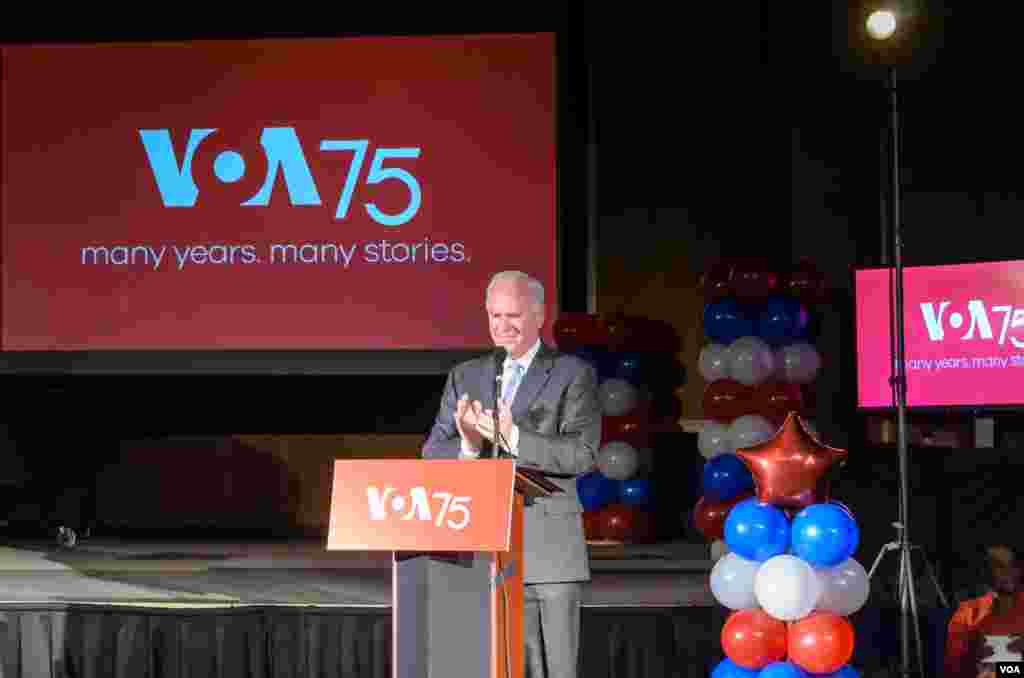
[(559, 419)]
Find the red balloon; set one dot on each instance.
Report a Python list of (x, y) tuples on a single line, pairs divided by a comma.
[(726, 400), (753, 639), (633, 428), (789, 469), (631, 333), (618, 521), (754, 279), (709, 516), (620, 329), (716, 282), (592, 525), (573, 330), (821, 642), (644, 528), (775, 400), (805, 282)]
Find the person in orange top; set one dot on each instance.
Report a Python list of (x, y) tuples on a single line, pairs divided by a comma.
[(998, 612)]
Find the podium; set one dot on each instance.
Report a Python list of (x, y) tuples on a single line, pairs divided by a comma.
[(456, 530)]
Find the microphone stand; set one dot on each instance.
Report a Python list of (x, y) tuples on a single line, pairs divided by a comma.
[(501, 450), (501, 446)]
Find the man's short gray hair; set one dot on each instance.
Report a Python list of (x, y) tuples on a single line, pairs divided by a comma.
[(535, 286)]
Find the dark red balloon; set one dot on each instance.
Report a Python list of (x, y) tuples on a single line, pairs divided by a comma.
[(618, 522), (573, 330), (620, 329), (644, 528), (789, 469), (633, 333), (592, 525), (754, 279), (709, 516), (805, 282), (775, 400), (716, 281), (754, 639), (633, 428), (726, 400)]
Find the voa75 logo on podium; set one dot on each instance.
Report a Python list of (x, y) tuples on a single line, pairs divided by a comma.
[(227, 177), (446, 510)]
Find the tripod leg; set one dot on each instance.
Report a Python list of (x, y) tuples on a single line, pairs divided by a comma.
[(935, 580), (901, 590), (878, 558), (913, 609), (903, 617)]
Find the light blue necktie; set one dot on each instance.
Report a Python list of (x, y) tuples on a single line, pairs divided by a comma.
[(509, 392)]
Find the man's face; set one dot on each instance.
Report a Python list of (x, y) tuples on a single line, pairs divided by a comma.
[(1006, 571), (515, 320)]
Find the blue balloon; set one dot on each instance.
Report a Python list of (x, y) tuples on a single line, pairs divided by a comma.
[(635, 491), (725, 321), (596, 490), (782, 670), (782, 321), (597, 356), (845, 672), (756, 531), (726, 477), (727, 668), (629, 366), (825, 535)]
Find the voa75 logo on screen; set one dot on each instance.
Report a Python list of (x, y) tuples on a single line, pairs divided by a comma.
[(213, 171)]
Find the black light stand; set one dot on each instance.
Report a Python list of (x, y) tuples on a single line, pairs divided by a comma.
[(898, 381)]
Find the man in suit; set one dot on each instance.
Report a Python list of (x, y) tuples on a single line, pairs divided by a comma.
[(549, 419)]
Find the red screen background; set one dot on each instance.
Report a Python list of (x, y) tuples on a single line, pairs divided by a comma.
[(75, 174)]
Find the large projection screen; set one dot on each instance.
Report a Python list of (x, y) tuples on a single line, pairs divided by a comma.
[(310, 205)]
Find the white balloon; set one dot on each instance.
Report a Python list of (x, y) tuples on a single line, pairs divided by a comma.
[(845, 587), (787, 587), (618, 460), (799, 363), (617, 397), (718, 549), (749, 430), (732, 581), (713, 363), (751, 361), (715, 439)]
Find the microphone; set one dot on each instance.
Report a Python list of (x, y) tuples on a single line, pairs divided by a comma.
[(500, 355)]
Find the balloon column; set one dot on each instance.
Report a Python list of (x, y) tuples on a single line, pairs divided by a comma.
[(617, 496), (759, 359), (790, 582)]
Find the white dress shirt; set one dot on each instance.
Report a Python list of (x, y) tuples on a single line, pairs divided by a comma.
[(524, 361)]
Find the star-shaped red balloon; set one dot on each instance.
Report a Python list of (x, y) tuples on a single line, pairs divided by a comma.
[(790, 469)]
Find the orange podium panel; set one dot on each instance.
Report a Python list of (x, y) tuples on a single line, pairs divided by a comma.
[(421, 505), (456, 530)]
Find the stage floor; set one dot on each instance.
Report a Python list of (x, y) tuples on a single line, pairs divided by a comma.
[(295, 573)]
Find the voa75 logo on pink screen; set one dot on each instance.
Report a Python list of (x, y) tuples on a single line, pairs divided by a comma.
[(248, 180), (945, 315), (443, 509)]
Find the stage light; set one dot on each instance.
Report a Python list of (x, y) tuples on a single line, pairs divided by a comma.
[(881, 24)]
